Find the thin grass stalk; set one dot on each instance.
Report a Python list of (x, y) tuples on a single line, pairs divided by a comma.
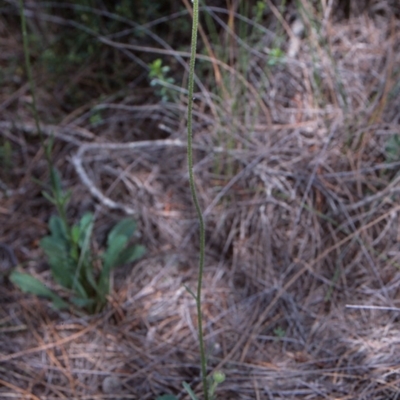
[(29, 70), (194, 194), (47, 154)]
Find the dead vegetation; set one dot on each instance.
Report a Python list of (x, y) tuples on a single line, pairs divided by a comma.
[(297, 170)]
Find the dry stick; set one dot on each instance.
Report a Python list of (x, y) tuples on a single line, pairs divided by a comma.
[(78, 164), (279, 17), (77, 161), (366, 307), (66, 133), (19, 390), (50, 353)]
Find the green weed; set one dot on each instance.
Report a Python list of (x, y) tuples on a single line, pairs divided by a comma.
[(279, 332), (197, 296), (209, 384), (73, 265), (392, 148), (213, 382), (159, 79), (275, 56)]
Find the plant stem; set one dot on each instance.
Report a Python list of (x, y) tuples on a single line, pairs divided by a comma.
[(30, 80), (194, 194), (58, 202), (28, 67)]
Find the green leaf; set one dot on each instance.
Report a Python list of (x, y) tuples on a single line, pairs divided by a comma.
[(88, 270), (125, 227), (83, 303), (29, 284), (75, 231), (49, 197), (56, 182), (48, 148), (103, 288), (64, 198), (83, 257), (58, 228), (190, 291), (78, 288), (74, 253), (59, 259), (167, 397), (392, 148), (155, 68), (189, 390), (130, 254), (110, 257), (85, 228)]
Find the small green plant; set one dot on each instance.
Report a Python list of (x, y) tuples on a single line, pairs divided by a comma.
[(213, 382), (76, 268), (276, 56), (96, 118), (73, 265), (392, 148), (279, 332), (259, 10), (209, 384), (160, 80)]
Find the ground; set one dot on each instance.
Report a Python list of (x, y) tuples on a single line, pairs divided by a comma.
[(297, 151)]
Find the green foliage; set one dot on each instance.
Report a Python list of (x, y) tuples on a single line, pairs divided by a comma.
[(72, 263), (96, 118), (392, 148), (259, 10), (167, 397), (209, 383), (29, 284), (190, 391), (203, 359), (75, 43), (276, 56), (160, 80), (68, 248), (279, 332), (213, 382)]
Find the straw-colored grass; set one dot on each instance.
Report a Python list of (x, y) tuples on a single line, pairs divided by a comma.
[(302, 214)]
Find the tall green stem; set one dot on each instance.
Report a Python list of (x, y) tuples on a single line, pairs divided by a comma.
[(194, 194)]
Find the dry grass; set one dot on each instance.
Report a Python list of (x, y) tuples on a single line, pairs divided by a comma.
[(302, 212)]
